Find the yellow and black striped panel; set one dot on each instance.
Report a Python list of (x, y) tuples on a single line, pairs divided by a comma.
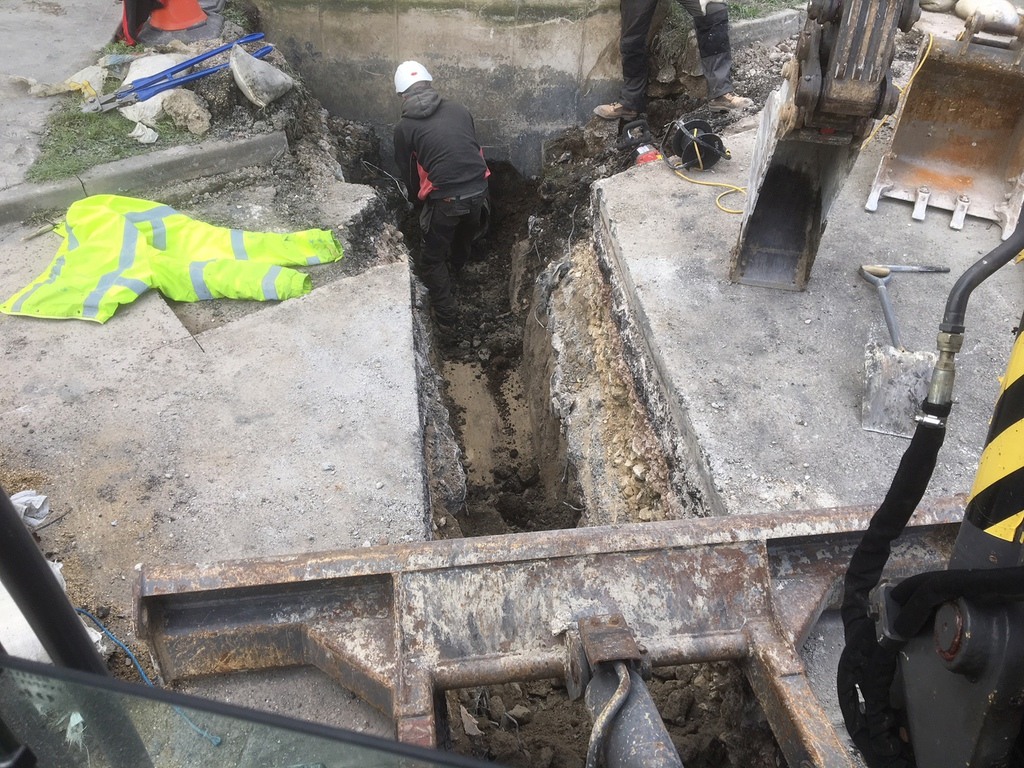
[(996, 505)]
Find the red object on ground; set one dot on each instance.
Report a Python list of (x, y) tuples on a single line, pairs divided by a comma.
[(134, 15), (647, 154), (173, 15)]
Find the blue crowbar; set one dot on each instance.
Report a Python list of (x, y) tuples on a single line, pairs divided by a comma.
[(148, 87)]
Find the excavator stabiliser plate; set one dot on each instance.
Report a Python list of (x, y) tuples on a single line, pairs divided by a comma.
[(959, 140)]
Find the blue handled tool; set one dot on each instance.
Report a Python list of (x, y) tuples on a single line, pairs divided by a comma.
[(148, 87)]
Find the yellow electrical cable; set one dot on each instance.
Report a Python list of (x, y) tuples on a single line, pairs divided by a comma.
[(902, 91), (729, 188), (696, 151)]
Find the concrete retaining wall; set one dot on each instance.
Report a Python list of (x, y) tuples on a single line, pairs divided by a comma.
[(527, 69)]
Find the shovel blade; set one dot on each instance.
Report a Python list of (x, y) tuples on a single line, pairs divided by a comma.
[(895, 383)]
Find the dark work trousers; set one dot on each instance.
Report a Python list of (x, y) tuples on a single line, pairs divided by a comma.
[(712, 31), (449, 229)]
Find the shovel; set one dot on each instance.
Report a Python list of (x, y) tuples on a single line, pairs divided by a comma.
[(895, 380)]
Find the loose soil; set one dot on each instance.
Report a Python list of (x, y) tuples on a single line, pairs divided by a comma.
[(541, 231)]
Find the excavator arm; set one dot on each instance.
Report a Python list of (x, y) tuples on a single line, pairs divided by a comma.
[(811, 131)]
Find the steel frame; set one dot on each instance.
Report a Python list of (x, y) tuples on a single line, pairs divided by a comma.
[(397, 625)]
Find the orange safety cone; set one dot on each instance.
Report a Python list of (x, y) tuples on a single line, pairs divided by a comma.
[(173, 15)]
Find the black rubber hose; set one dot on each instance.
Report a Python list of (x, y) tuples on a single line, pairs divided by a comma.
[(956, 304), (866, 669), (905, 493), (919, 595)]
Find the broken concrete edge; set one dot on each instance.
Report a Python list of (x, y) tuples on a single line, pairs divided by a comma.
[(143, 172), (691, 475)]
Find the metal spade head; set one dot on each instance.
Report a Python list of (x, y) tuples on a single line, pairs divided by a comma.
[(895, 384)]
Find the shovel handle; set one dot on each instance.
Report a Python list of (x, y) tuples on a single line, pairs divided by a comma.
[(880, 281), (890, 316), (884, 270), (169, 73)]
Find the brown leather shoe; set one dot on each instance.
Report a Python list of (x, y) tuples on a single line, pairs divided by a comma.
[(730, 102), (614, 111)]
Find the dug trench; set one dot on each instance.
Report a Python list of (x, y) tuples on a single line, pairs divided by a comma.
[(540, 418), (555, 423), (538, 422)]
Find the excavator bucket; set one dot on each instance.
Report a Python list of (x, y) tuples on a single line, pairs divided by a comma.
[(959, 140), (811, 132), (796, 176)]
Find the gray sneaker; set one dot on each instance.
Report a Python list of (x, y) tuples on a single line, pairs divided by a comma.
[(730, 102), (614, 111)]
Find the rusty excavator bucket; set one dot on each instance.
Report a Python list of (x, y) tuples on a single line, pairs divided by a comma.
[(811, 132), (959, 141)]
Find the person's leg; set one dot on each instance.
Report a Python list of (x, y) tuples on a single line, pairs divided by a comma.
[(473, 225), (712, 28), (636, 25), (438, 228), (635, 18), (711, 25)]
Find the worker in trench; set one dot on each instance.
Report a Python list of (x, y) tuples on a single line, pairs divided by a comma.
[(711, 25), (443, 169)]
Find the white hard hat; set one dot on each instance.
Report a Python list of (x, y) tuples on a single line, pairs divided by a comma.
[(408, 73)]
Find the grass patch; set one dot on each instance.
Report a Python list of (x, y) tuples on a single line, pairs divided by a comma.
[(75, 141), (756, 9)]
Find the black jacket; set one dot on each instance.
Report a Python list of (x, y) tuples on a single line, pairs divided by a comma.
[(436, 150)]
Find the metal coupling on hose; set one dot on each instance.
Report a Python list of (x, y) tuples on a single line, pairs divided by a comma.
[(940, 391)]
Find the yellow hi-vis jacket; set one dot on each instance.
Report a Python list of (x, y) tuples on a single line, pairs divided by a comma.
[(116, 248)]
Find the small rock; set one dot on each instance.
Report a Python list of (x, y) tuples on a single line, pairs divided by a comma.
[(521, 714), (496, 708)]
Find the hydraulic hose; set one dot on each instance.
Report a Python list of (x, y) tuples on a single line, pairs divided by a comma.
[(951, 329), (956, 304), (867, 667)]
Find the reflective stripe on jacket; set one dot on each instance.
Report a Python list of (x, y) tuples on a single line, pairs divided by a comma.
[(116, 248)]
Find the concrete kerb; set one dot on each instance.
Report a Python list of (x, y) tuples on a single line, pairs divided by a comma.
[(768, 30), (143, 172)]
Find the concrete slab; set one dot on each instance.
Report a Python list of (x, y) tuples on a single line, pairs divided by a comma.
[(765, 386), (48, 42), (293, 428)]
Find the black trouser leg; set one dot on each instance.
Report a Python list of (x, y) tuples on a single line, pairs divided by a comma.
[(712, 31), (438, 228), (636, 17), (471, 226)]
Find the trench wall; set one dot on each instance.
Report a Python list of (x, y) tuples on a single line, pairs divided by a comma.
[(527, 69)]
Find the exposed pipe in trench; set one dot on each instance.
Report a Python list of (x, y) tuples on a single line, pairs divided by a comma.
[(627, 727)]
